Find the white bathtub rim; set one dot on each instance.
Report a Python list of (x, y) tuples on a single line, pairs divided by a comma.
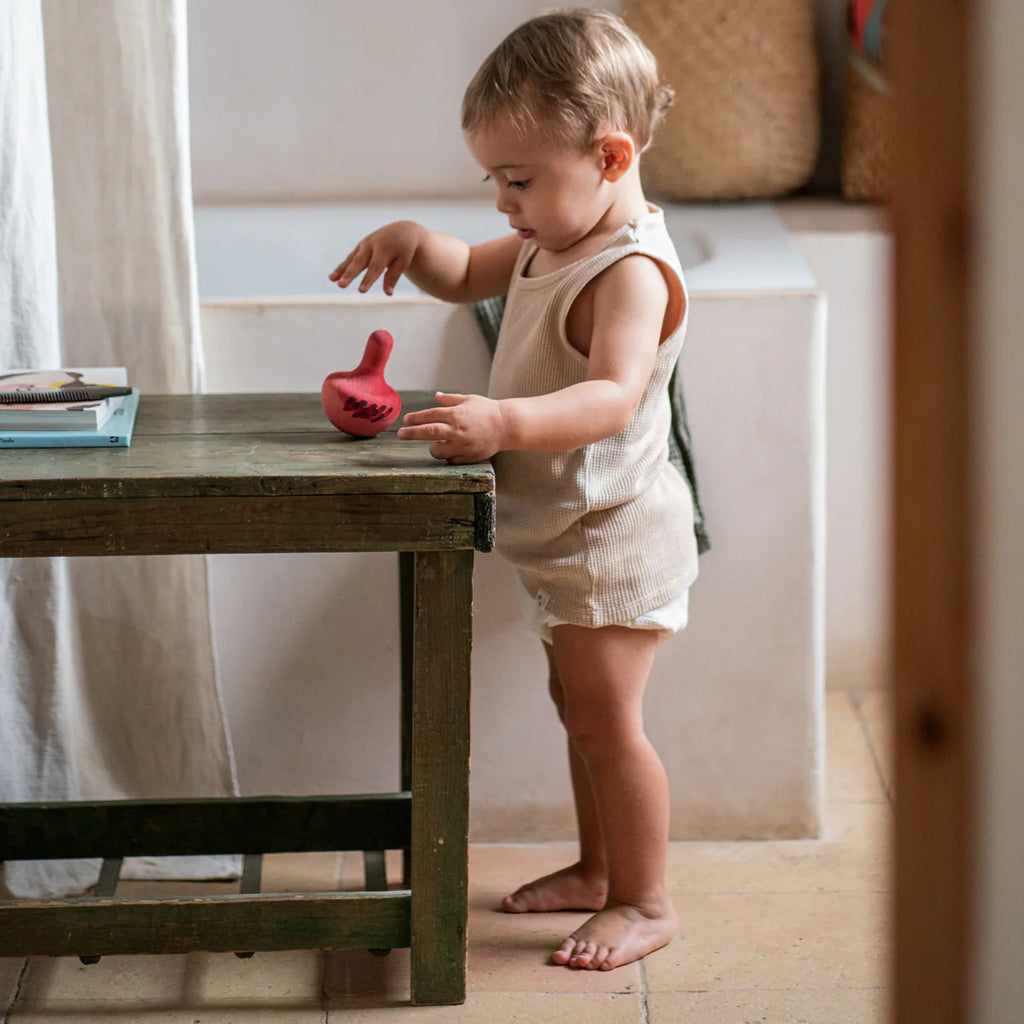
[(734, 248)]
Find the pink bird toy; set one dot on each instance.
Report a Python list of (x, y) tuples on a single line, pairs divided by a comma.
[(360, 402)]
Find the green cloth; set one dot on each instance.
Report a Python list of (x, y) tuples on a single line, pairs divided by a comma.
[(680, 444)]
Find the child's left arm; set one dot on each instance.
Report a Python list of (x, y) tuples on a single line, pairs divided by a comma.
[(629, 303)]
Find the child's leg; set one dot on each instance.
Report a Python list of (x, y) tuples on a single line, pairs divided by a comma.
[(603, 673), (583, 885)]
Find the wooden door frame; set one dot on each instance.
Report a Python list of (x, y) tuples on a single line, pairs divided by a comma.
[(933, 518)]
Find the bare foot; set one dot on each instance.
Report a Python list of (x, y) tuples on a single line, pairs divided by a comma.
[(568, 889), (618, 935)]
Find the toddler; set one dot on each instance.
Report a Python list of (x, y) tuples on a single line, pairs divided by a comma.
[(596, 522)]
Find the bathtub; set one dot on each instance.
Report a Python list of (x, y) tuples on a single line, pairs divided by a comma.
[(279, 250), (735, 703)]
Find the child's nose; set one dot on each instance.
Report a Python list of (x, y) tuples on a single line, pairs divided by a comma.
[(505, 202)]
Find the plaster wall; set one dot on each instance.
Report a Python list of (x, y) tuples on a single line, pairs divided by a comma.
[(853, 268), (735, 702), (335, 99)]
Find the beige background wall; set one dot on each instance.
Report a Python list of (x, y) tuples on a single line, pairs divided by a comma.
[(337, 99)]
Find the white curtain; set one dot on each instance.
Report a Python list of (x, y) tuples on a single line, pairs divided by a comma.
[(108, 686)]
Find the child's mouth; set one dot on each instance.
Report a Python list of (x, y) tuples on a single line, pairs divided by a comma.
[(525, 232)]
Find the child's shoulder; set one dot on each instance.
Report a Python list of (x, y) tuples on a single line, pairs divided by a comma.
[(645, 280), (636, 274)]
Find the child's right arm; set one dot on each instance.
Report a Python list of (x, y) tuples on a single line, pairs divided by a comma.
[(441, 265)]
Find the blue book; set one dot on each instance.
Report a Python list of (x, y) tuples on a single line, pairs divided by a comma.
[(115, 433)]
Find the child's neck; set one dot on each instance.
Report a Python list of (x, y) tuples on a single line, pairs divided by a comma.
[(626, 203)]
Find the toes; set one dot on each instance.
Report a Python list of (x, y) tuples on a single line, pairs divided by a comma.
[(513, 904), (564, 953), (583, 954), (519, 902)]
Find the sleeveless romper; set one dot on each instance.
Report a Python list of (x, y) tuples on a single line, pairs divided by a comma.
[(600, 535)]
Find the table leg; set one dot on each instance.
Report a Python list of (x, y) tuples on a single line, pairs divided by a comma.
[(406, 612), (443, 612)]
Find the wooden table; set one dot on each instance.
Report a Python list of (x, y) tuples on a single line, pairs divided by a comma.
[(267, 473)]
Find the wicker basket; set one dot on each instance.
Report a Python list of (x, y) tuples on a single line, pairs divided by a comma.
[(867, 132), (747, 118)]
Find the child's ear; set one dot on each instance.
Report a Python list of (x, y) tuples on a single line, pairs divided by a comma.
[(617, 153)]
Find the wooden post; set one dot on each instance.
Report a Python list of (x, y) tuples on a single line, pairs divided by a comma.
[(440, 768), (934, 535), (406, 614)]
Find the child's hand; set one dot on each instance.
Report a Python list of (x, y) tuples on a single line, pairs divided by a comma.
[(388, 251), (467, 428)]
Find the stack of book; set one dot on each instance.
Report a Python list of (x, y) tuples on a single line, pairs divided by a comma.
[(91, 406)]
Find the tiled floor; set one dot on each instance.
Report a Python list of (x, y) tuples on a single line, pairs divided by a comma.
[(772, 932)]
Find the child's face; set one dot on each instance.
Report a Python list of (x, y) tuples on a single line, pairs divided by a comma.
[(552, 193)]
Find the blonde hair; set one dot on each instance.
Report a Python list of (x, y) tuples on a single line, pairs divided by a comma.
[(572, 73)]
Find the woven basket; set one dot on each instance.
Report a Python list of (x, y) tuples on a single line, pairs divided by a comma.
[(867, 132), (747, 118)]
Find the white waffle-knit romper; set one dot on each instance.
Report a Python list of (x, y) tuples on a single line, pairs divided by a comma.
[(600, 535)]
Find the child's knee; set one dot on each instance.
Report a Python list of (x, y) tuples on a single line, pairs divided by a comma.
[(596, 733), (555, 689), (557, 695)]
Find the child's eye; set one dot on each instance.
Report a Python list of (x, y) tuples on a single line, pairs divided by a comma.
[(519, 185), (487, 178)]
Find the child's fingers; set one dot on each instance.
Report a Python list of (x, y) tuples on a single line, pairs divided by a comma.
[(394, 272), (376, 265), (348, 268), (373, 271), (339, 269), (442, 450), (424, 432), (449, 398), (415, 419)]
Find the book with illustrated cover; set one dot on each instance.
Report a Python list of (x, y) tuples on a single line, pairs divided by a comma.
[(115, 433), (82, 411)]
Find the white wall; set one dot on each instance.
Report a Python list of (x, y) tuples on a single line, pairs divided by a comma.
[(852, 264), (337, 99)]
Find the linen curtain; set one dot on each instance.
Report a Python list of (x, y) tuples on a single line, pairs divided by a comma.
[(108, 685)]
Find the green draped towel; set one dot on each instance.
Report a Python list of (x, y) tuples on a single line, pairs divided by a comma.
[(680, 445)]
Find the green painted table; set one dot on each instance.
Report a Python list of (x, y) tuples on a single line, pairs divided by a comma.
[(267, 473)]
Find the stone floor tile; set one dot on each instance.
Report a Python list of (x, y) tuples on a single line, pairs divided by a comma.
[(768, 1006), (301, 872), (355, 977), (851, 773), (512, 953), (503, 868), (292, 976), (147, 1013), (874, 708), (775, 941), (50, 981), (507, 953), (11, 969), (852, 855), (504, 1007)]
